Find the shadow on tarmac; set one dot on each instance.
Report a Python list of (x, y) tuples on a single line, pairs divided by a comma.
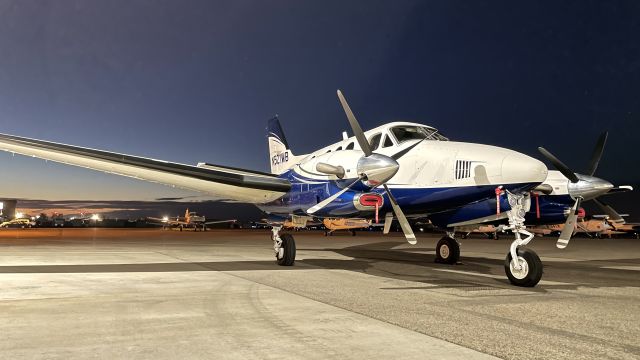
[(382, 260)]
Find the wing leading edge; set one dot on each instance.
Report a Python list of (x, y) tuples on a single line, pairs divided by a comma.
[(222, 182)]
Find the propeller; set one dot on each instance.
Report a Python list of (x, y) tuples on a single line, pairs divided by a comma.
[(330, 199), (597, 153), (581, 187), (404, 224), (569, 225), (564, 169), (609, 211), (374, 170), (388, 218)]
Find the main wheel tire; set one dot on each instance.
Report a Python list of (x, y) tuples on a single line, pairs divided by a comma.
[(447, 251), (287, 256), (531, 272)]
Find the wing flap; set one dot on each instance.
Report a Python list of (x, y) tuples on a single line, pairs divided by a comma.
[(221, 182)]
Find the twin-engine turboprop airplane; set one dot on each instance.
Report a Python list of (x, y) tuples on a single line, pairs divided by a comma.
[(395, 169)]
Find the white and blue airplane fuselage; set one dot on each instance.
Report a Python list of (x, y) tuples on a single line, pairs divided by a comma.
[(434, 174)]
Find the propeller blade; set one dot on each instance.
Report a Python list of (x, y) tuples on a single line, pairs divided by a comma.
[(388, 218), (597, 153), (328, 200), (401, 153), (404, 224), (355, 126), (564, 169), (609, 211), (330, 169), (619, 189), (569, 225)]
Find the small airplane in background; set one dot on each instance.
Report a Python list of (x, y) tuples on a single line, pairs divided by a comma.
[(597, 226), (618, 227), (338, 224), (191, 220), (395, 169)]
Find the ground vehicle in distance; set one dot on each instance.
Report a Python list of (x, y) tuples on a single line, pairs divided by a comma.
[(21, 223)]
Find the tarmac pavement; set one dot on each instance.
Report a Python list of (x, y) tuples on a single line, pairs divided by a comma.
[(117, 293)]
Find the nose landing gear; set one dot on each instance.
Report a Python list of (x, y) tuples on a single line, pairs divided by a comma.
[(284, 247), (526, 271), (522, 266)]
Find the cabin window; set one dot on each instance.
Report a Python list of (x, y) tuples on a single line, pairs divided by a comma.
[(387, 141), (349, 146), (339, 148), (375, 141)]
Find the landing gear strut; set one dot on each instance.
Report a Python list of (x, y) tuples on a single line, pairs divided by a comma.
[(447, 250), (522, 266), (284, 247)]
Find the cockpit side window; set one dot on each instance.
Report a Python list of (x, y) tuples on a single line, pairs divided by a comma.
[(387, 141), (349, 146), (375, 141), (406, 133)]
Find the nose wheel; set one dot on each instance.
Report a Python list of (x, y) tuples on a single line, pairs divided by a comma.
[(284, 247), (447, 251), (524, 271)]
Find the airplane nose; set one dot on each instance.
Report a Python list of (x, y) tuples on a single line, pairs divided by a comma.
[(519, 169), (589, 187)]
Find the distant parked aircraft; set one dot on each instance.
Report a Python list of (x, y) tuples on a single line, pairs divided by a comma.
[(191, 220)]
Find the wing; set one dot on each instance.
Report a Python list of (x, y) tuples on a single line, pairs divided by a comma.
[(166, 222), (220, 222), (224, 183)]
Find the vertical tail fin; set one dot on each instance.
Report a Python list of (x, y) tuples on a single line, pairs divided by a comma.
[(280, 156)]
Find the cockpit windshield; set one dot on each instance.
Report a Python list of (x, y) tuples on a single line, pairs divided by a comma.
[(408, 132)]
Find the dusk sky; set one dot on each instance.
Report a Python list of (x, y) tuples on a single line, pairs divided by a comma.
[(192, 81)]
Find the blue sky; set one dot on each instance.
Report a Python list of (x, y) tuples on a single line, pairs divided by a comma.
[(192, 81)]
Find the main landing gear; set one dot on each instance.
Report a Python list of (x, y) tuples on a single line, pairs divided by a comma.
[(284, 247), (448, 250), (523, 266)]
